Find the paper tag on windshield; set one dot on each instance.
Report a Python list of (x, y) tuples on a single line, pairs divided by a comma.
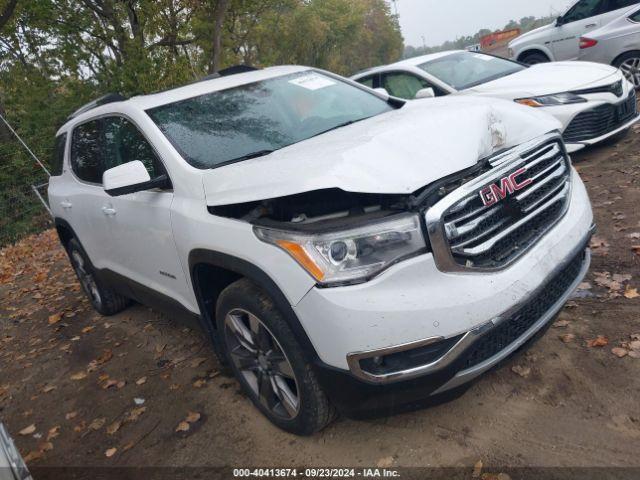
[(312, 81), (486, 58)]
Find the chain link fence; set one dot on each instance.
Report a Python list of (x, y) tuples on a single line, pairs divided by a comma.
[(23, 185)]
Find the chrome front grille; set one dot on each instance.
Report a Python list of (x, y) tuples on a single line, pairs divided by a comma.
[(468, 233)]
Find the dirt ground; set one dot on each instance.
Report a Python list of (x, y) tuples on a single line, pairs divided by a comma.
[(78, 389)]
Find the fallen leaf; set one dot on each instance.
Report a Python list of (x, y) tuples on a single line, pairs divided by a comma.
[(561, 323), (385, 462), (128, 446), (199, 383), (634, 354), (584, 286), (634, 345), (192, 417), (636, 249), (55, 318), (567, 338), (524, 372), (110, 452), (53, 432), (183, 427), (34, 455), (135, 413), (45, 446), (79, 376), (28, 430), (631, 293), (599, 341), (141, 381), (619, 352), (48, 389), (71, 415), (97, 423), (198, 361), (87, 329), (114, 427), (138, 401), (477, 469)]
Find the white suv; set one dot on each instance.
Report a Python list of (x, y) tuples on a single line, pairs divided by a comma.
[(561, 40), (340, 248)]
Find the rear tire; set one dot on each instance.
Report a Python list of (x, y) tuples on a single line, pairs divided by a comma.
[(534, 58), (103, 299), (268, 361), (629, 65)]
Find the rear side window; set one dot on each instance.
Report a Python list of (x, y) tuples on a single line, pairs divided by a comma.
[(86, 158), (635, 17), (367, 81), (125, 143), (58, 155)]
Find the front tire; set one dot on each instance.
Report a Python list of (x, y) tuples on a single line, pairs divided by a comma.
[(103, 299), (629, 65), (534, 58), (268, 361)]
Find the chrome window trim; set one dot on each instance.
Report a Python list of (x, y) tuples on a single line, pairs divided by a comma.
[(502, 163)]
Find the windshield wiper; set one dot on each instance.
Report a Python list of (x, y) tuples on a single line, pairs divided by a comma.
[(249, 156), (345, 124)]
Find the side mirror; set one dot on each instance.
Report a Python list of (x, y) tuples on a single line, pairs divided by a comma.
[(426, 93), (130, 177), (383, 92), (559, 22)]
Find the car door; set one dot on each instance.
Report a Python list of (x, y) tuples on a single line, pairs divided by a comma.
[(583, 17), (142, 246), (84, 198)]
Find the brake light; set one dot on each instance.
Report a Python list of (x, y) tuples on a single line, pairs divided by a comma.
[(587, 43)]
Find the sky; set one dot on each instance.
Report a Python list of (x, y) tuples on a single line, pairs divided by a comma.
[(442, 20)]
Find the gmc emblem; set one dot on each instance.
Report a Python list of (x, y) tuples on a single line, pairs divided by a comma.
[(496, 192)]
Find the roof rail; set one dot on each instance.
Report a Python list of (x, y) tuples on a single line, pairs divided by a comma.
[(234, 70), (105, 99)]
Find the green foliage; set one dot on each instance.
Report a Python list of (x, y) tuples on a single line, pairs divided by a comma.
[(56, 55)]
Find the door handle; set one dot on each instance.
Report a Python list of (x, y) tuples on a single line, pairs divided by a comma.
[(66, 204), (591, 25), (108, 211)]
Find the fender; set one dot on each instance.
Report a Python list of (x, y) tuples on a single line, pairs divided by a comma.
[(256, 275)]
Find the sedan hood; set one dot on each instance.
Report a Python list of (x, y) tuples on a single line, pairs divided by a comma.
[(395, 153), (546, 79)]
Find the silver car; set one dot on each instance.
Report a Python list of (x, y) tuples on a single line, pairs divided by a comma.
[(12, 466), (618, 44)]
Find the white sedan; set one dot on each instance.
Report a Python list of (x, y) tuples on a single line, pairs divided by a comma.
[(593, 101)]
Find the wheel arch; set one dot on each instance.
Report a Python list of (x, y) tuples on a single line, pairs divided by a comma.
[(615, 60), (65, 232), (211, 272), (532, 50)]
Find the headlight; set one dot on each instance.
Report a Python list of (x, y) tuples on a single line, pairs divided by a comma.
[(551, 100), (350, 256)]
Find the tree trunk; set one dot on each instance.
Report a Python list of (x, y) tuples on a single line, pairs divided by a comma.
[(218, 18), (7, 13)]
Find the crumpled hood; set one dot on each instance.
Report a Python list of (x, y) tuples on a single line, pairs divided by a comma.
[(546, 79), (395, 153)]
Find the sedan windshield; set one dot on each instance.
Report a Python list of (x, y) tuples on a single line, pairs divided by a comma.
[(253, 120), (464, 70)]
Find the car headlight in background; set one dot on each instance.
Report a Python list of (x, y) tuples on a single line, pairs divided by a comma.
[(350, 255), (551, 100)]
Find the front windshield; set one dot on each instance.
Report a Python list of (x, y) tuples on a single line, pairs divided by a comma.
[(251, 120), (464, 70)]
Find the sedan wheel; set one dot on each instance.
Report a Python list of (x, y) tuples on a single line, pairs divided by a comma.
[(260, 359), (631, 69)]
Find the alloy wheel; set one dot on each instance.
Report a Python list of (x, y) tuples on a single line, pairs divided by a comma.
[(631, 69), (87, 281), (260, 359)]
